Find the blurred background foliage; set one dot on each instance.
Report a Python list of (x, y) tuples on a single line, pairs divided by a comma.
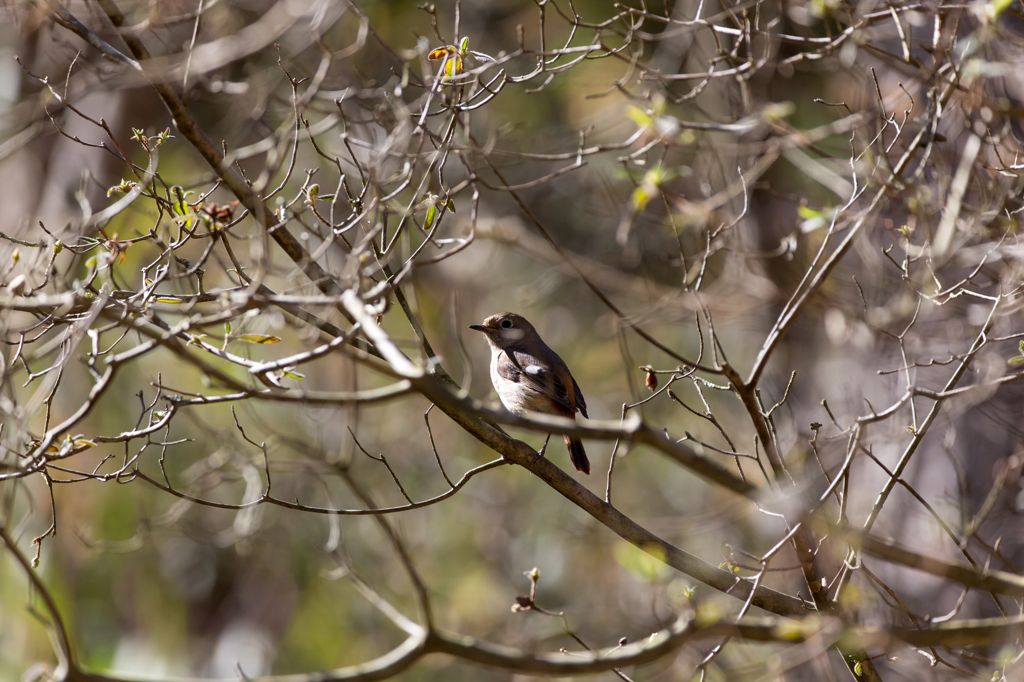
[(151, 584)]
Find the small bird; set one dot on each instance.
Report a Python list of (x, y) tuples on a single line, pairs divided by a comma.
[(530, 377)]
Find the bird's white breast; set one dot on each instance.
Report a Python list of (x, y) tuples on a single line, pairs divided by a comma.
[(517, 397)]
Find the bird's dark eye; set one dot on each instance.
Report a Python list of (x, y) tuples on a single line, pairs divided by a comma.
[(506, 323)]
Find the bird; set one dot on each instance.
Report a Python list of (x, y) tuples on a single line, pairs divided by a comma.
[(530, 377)]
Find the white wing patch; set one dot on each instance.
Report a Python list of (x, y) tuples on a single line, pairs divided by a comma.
[(533, 369)]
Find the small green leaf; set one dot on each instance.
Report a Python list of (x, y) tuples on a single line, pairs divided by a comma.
[(657, 175), (1021, 358), (431, 215), (658, 103), (814, 219), (125, 187), (638, 116), (259, 338), (996, 7), (167, 299), (183, 213), (639, 198), (777, 111), (648, 188), (790, 631)]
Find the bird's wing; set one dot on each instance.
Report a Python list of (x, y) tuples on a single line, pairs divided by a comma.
[(578, 395), (523, 368)]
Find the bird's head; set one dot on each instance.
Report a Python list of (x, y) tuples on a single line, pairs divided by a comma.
[(505, 329)]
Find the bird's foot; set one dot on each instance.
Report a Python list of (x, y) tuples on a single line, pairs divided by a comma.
[(540, 453)]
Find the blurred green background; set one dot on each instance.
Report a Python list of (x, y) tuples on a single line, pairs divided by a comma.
[(150, 584)]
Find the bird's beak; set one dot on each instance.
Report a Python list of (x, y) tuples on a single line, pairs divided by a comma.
[(478, 327)]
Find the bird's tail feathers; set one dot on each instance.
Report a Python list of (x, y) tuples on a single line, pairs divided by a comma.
[(577, 454)]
